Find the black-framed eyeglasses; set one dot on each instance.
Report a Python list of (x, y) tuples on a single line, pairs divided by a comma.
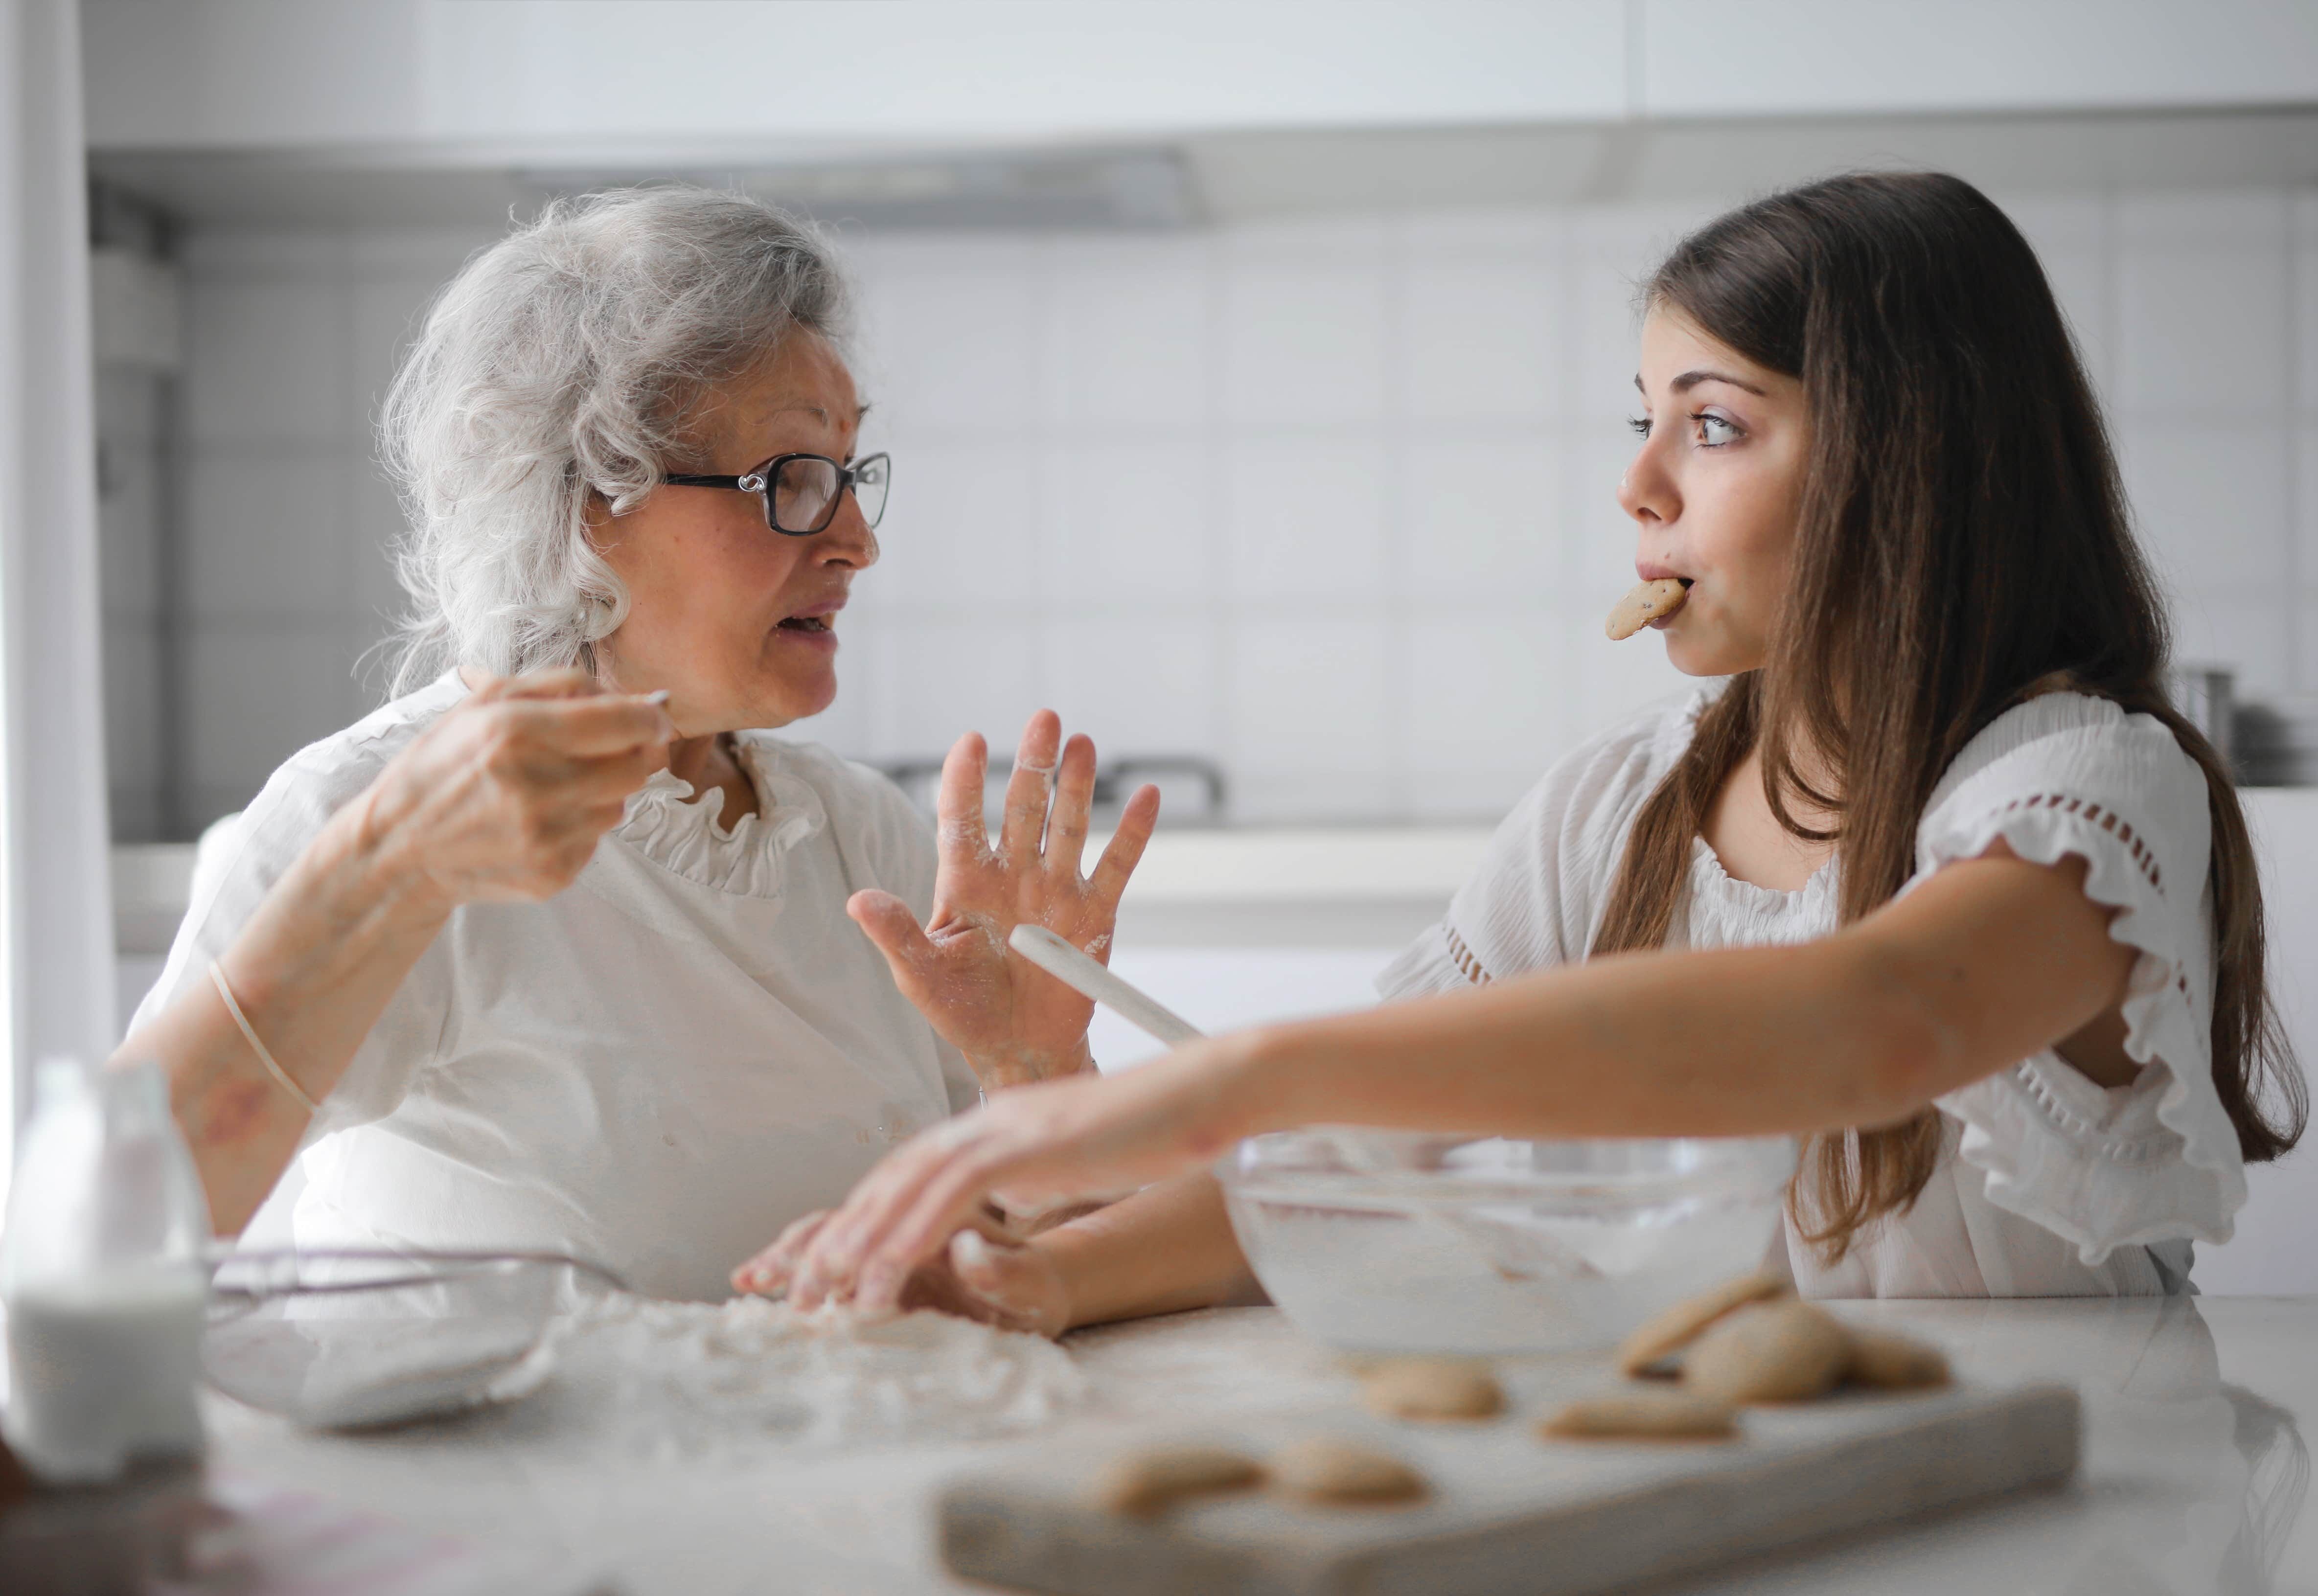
[(801, 492)]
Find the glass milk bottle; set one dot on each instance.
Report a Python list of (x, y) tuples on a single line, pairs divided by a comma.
[(102, 1274)]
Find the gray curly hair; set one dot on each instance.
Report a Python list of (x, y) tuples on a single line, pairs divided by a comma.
[(561, 363)]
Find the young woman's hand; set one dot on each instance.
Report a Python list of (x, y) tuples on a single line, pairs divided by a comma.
[(1013, 1022), (987, 1273), (506, 796), (1082, 1137)]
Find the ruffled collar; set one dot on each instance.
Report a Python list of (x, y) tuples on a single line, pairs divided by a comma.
[(666, 824), (1712, 884)]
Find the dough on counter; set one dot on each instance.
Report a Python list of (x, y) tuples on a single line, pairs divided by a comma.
[(1893, 1362), (1647, 1413), (1785, 1352), (1644, 603), (1143, 1483), (1432, 1388), (1325, 1469), (1678, 1326)]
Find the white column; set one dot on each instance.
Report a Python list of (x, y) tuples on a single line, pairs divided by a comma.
[(56, 928)]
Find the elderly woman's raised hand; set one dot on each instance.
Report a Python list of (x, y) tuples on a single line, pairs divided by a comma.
[(506, 796), (1013, 1022)]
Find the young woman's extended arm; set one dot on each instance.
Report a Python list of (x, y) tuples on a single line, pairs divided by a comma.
[(1988, 962)]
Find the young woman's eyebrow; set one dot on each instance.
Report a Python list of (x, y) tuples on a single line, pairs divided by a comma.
[(1690, 379)]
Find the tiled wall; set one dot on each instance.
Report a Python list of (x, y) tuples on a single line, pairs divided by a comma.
[(1330, 501)]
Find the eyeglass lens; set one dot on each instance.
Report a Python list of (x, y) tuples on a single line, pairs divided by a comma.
[(804, 492)]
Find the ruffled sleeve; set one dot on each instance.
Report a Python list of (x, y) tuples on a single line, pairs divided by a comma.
[(2156, 1160), (1540, 890)]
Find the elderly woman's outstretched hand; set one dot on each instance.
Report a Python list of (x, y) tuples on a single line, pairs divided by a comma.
[(1013, 1022), (506, 796)]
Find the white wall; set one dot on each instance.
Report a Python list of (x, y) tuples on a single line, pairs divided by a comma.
[(1329, 500)]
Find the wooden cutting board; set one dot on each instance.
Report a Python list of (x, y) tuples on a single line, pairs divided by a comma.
[(1510, 1512)]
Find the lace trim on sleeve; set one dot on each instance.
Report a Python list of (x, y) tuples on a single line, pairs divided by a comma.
[(1434, 963), (1468, 962), (2102, 1169)]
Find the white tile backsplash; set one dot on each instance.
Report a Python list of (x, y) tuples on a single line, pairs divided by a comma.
[(1304, 333), (1307, 518), (2200, 328), (1482, 518), (1331, 501), (1482, 325), (1144, 683), (935, 680), (264, 532), (267, 362), (958, 533), (257, 694), (952, 342), (2248, 625), (1132, 322), (1308, 699), (1488, 708), (2210, 498), (1135, 523)]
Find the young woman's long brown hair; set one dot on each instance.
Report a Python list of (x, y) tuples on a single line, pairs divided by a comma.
[(1964, 544)]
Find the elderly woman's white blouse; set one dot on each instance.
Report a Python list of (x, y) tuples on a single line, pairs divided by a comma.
[(655, 1070), (2048, 1185)]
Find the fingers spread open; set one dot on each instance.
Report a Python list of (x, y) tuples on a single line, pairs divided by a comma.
[(1066, 828), (957, 811), (1031, 787), (1119, 860)]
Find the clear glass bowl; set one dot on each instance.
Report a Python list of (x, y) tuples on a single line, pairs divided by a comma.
[(348, 1339), (1406, 1241)]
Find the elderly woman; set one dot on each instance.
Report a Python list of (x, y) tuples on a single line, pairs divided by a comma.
[(551, 952)]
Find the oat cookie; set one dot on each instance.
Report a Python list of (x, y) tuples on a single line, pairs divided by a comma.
[(1644, 603), (1678, 1326), (1432, 1388), (1324, 1468), (1784, 1351), (1148, 1482), (1894, 1362), (1647, 1413)]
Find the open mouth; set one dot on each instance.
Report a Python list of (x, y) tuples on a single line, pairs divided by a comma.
[(810, 623)]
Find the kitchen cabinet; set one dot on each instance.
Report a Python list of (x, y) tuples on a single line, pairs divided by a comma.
[(467, 83), (1818, 58)]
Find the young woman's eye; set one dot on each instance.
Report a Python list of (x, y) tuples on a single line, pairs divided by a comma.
[(1714, 431), (1640, 424)]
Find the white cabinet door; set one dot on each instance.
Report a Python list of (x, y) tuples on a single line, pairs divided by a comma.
[(1805, 57)]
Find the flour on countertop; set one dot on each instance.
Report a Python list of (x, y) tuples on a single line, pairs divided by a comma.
[(687, 1377)]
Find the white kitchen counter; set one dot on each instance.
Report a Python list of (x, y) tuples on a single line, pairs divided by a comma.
[(2195, 1475)]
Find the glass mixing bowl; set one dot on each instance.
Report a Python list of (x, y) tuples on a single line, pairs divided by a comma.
[(347, 1340), (1406, 1241)]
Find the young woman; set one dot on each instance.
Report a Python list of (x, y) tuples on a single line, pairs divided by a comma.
[(1934, 878)]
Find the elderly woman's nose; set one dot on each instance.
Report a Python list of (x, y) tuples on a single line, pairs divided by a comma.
[(847, 539)]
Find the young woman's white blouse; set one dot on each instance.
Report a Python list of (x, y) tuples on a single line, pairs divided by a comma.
[(655, 1070), (2049, 1185)]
